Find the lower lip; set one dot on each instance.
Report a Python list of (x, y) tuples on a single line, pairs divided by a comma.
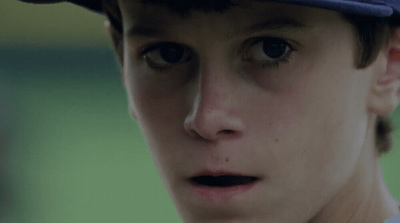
[(222, 193)]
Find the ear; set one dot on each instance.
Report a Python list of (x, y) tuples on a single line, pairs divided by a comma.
[(385, 94), (117, 40)]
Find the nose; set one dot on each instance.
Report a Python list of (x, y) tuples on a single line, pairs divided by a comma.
[(215, 111)]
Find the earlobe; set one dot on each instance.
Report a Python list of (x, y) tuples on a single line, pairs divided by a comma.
[(132, 110), (385, 95)]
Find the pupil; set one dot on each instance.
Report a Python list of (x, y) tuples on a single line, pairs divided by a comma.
[(171, 53), (275, 49)]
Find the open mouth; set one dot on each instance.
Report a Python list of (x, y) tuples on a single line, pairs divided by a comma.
[(222, 181)]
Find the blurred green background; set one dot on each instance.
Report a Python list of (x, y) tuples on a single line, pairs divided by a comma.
[(75, 154)]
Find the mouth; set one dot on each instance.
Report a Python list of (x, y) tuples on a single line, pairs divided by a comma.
[(222, 181), (222, 186)]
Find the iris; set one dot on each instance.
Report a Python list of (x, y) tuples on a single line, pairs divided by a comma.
[(172, 53), (275, 48)]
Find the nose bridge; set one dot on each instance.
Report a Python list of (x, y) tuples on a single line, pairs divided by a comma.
[(213, 108), (213, 89)]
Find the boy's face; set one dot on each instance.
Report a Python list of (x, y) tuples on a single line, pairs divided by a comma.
[(266, 93)]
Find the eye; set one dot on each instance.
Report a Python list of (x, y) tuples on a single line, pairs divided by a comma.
[(268, 50), (164, 55)]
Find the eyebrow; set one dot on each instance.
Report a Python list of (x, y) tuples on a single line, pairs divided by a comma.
[(284, 23), (142, 31), (276, 24)]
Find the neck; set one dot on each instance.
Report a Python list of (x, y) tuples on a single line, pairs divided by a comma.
[(365, 198)]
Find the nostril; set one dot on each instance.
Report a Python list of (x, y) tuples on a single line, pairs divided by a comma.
[(193, 133), (211, 124), (227, 131)]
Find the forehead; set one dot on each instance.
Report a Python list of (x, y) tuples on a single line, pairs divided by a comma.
[(162, 15), (186, 8)]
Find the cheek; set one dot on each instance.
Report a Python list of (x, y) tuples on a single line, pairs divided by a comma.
[(312, 131), (159, 110)]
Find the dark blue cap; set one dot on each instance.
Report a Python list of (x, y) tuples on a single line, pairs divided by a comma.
[(375, 8), (94, 5)]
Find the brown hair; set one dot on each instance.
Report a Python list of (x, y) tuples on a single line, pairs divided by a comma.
[(371, 34)]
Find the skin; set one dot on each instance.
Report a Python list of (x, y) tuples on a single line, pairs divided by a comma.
[(303, 126)]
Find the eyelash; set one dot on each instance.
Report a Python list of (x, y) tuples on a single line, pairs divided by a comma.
[(150, 64), (286, 58)]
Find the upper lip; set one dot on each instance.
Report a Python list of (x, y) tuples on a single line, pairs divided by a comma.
[(218, 173)]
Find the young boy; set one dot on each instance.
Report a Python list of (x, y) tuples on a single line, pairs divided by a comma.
[(263, 111)]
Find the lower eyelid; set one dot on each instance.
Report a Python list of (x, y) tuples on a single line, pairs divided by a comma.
[(247, 57), (263, 64)]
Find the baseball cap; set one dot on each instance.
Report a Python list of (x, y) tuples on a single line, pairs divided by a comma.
[(374, 8), (94, 5)]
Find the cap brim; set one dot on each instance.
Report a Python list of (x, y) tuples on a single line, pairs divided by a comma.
[(94, 5), (348, 7)]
